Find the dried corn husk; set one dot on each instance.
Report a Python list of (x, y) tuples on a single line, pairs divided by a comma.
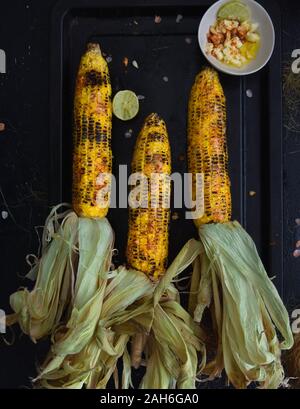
[(230, 279), (131, 304), (95, 245), (175, 340), (92, 361), (38, 311)]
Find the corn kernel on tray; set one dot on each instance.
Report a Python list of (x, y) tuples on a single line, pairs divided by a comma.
[(151, 48)]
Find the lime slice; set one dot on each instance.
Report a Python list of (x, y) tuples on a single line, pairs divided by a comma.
[(125, 105), (234, 10)]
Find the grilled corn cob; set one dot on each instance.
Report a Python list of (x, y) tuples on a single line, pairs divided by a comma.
[(229, 277), (207, 148), (147, 246), (92, 157), (166, 334)]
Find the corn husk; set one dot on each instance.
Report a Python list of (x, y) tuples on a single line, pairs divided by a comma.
[(95, 245), (175, 341), (230, 279), (38, 311), (131, 305), (100, 326)]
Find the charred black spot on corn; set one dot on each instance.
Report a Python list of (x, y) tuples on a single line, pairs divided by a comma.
[(94, 78)]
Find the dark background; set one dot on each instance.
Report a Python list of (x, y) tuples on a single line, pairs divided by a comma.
[(24, 161)]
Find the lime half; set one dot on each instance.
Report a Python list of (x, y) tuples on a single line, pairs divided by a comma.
[(125, 105), (234, 10)]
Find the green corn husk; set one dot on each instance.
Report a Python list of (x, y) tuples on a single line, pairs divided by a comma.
[(95, 245), (229, 278), (38, 311), (175, 340), (131, 305), (92, 362)]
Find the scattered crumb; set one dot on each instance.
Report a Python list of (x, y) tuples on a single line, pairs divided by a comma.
[(181, 157), (165, 78), (135, 22), (108, 59), (2, 127), (188, 40), (252, 193), (135, 64), (296, 253), (141, 97), (179, 18), (175, 216), (128, 134), (4, 214), (157, 19), (249, 93), (160, 48), (125, 61)]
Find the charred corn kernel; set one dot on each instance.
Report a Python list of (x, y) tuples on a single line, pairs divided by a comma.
[(92, 157), (207, 147), (147, 247)]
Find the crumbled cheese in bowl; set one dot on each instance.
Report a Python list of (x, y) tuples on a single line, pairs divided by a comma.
[(233, 42)]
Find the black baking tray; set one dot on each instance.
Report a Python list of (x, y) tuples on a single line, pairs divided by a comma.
[(170, 49)]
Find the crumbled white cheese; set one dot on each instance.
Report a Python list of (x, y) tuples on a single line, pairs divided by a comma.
[(254, 27), (236, 42), (246, 25), (230, 24), (252, 37), (219, 54), (209, 47), (226, 39)]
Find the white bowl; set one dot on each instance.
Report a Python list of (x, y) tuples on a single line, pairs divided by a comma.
[(266, 31)]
